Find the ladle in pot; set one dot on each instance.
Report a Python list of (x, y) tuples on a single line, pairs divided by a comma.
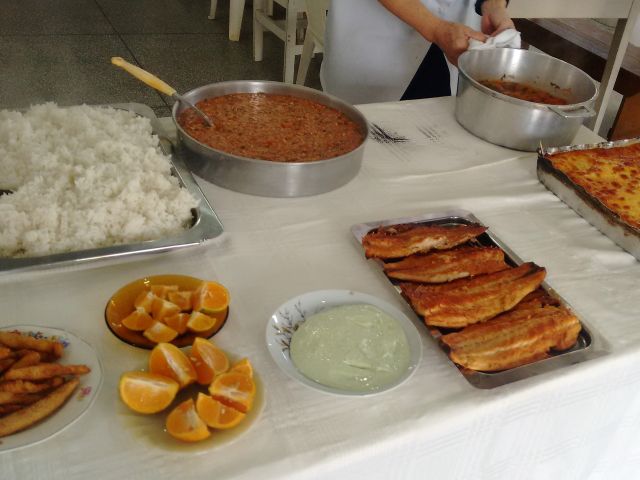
[(158, 84)]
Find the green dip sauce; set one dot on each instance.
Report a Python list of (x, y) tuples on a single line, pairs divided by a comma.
[(358, 348)]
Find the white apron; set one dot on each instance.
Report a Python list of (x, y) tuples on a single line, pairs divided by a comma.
[(371, 55)]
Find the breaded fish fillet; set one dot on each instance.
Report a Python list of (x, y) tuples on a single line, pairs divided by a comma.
[(513, 338), (448, 265), (537, 299), (397, 241), (467, 301)]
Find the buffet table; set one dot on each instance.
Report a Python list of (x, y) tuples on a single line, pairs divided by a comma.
[(578, 422)]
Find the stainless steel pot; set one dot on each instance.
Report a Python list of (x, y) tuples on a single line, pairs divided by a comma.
[(263, 177), (515, 123)]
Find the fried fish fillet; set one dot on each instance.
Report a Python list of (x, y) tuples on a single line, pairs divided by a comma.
[(514, 338), (471, 300), (537, 299), (397, 241), (448, 265)]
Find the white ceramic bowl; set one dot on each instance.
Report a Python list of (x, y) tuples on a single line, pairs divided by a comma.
[(286, 319)]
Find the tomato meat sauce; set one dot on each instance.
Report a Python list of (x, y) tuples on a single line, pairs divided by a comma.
[(523, 91), (279, 128)]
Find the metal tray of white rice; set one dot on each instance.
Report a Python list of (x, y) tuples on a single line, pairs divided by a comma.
[(85, 183)]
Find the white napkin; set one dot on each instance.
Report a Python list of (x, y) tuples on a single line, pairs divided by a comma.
[(507, 38)]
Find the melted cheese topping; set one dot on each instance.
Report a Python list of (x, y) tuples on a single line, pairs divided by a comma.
[(611, 175)]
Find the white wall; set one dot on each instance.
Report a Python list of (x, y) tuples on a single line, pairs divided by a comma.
[(635, 34)]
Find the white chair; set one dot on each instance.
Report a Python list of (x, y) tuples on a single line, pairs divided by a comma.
[(314, 36), (285, 30), (236, 11)]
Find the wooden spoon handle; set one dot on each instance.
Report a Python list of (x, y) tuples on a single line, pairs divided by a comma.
[(144, 76)]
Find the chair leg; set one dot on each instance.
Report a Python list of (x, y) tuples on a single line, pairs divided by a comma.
[(212, 10), (236, 9), (258, 31), (291, 23), (305, 58), (270, 8)]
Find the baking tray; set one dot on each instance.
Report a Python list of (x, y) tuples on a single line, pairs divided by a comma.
[(205, 224), (589, 207), (589, 345)]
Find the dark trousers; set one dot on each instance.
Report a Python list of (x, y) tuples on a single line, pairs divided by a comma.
[(432, 77)]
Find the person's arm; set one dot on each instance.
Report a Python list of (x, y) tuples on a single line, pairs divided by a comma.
[(452, 38), (495, 18)]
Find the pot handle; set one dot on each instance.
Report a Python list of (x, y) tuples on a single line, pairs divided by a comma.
[(583, 111)]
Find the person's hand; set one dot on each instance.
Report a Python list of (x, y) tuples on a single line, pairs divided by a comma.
[(495, 18), (453, 39)]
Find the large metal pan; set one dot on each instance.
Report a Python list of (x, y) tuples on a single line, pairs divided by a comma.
[(263, 177), (515, 123)]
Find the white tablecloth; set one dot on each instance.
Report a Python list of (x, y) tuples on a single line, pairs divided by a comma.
[(579, 422)]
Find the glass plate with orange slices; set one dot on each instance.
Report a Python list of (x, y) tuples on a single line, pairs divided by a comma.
[(167, 308), (195, 398)]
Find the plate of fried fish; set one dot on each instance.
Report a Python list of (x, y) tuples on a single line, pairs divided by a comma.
[(48, 378), (493, 314)]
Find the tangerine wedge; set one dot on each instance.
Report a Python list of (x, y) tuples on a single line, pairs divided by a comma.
[(210, 298), (208, 360), (144, 301), (158, 332), (184, 423), (145, 392), (182, 299), (235, 390), (137, 320), (163, 291), (216, 414), (199, 322), (168, 360), (243, 366), (178, 322), (163, 308)]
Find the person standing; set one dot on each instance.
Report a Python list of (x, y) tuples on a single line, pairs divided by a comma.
[(373, 48)]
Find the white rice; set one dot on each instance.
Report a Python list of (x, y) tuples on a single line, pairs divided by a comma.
[(84, 177)]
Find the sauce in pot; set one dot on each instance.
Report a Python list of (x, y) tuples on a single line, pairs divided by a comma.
[(523, 91), (279, 128)]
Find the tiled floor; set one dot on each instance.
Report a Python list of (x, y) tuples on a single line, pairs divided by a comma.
[(60, 50)]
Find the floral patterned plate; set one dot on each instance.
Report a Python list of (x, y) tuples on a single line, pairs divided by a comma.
[(76, 351), (286, 319)]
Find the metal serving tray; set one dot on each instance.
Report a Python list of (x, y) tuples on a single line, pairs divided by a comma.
[(589, 344), (587, 206), (205, 224)]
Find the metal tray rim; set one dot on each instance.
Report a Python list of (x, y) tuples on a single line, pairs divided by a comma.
[(542, 151)]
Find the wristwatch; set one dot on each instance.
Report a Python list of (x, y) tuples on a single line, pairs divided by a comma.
[(478, 6)]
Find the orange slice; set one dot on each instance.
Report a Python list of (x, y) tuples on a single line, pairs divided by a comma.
[(184, 423), (170, 361), (163, 290), (210, 297), (145, 392), (208, 360), (234, 390), (243, 366), (178, 322), (137, 320), (182, 299), (163, 308), (199, 322), (158, 332), (216, 414), (144, 301)]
